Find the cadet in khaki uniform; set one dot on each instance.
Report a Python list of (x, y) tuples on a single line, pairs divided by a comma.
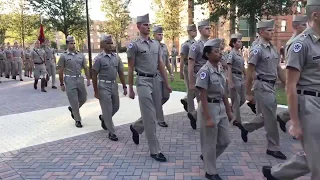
[(223, 62), (28, 63), (158, 35), (264, 60), (107, 65), (144, 56), (18, 57), (214, 108), (236, 77), (8, 52), (195, 62), (70, 65), (50, 64), (174, 53), (38, 57), (303, 93), (3, 59), (188, 101)]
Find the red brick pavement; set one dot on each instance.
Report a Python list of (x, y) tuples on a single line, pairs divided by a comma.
[(94, 156)]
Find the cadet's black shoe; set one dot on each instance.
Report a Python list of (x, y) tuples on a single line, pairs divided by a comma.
[(236, 123), (185, 104), (277, 154), (213, 177), (163, 124), (201, 157), (266, 171), (193, 121), (14, 77), (102, 123), (78, 124), (135, 135), (282, 124), (244, 133), (35, 84), (159, 157), (43, 90), (21, 79), (252, 107), (113, 137), (54, 87), (70, 109)]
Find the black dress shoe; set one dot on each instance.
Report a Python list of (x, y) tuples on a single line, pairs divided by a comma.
[(21, 79), (193, 121), (70, 109), (236, 123), (213, 177), (54, 87), (78, 124), (185, 104), (277, 154), (266, 171), (163, 124), (201, 157), (244, 133), (135, 135), (252, 107), (102, 123), (159, 157), (113, 137), (282, 124)]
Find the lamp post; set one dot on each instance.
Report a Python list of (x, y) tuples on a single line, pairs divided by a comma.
[(89, 40)]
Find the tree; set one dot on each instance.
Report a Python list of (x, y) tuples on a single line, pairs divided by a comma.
[(118, 19), (80, 35), (253, 10), (65, 15), (4, 22), (168, 16)]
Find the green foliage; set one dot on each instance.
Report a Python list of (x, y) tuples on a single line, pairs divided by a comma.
[(66, 16), (168, 16), (53, 44), (118, 19)]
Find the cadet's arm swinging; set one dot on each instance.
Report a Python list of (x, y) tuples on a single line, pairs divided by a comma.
[(292, 76)]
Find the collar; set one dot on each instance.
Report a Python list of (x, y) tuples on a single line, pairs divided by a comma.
[(314, 36), (237, 52), (203, 40), (73, 53), (144, 40), (109, 55), (264, 43), (217, 69)]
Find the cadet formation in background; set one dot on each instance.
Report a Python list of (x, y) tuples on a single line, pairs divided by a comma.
[(211, 76)]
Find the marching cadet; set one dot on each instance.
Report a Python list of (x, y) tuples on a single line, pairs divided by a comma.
[(50, 64), (214, 108), (236, 77), (144, 56), (188, 101), (158, 35), (195, 62), (18, 56), (8, 52), (70, 64), (3, 59), (264, 61), (174, 53), (299, 24), (106, 67), (303, 93), (38, 57), (223, 62), (28, 63)]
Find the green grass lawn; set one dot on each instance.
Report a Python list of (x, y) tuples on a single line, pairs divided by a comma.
[(178, 85)]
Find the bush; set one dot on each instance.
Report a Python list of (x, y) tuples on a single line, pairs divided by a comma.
[(122, 49)]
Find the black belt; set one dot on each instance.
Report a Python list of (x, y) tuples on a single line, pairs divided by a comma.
[(309, 93), (1, 59), (268, 81), (146, 75), (236, 72), (38, 63), (211, 100)]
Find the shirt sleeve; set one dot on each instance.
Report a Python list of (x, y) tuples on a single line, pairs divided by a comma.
[(61, 62), (120, 65), (184, 49), (193, 52), (97, 64), (254, 56), (202, 80), (85, 62), (230, 58), (131, 51), (297, 55)]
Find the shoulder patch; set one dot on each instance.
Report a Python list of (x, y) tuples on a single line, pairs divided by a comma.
[(230, 56), (297, 47), (255, 51), (203, 75), (193, 48), (130, 45)]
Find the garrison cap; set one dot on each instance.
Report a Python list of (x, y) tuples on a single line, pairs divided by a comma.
[(191, 27), (204, 23), (236, 36), (70, 38), (215, 43), (266, 24), (297, 18), (143, 19), (313, 3), (106, 38), (157, 29)]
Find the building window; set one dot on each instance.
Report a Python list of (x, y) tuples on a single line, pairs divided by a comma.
[(299, 6), (283, 25), (244, 27)]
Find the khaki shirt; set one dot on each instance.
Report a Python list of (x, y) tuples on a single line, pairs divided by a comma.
[(236, 60), (8, 53), (165, 53), (303, 55), (107, 66), (72, 63), (17, 52), (3, 55), (266, 60), (213, 80), (27, 54), (146, 55), (195, 53), (49, 53), (38, 56), (185, 48)]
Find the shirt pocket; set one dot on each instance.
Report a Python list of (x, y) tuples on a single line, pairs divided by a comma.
[(216, 86)]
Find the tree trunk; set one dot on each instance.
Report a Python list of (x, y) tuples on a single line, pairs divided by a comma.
[(232, 17), (252, 26)]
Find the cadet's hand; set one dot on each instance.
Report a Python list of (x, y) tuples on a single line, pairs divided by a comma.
[(131, 94), (209, 123), (169, 88), (63, 88), (230, 116), (88, 82), (249, 97), (231, 85), (192, 86), (96, 95), (125, 91), (181, 75), (171, 77), (296, 131)]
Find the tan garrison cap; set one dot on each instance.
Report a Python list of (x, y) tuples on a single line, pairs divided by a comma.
[(236, 36), (157, 29), (70, 38), (143, 19), (204, 23), (313, 3), (297, 18), (191, 27), (215, 43), (266, 24), (106, 38)]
